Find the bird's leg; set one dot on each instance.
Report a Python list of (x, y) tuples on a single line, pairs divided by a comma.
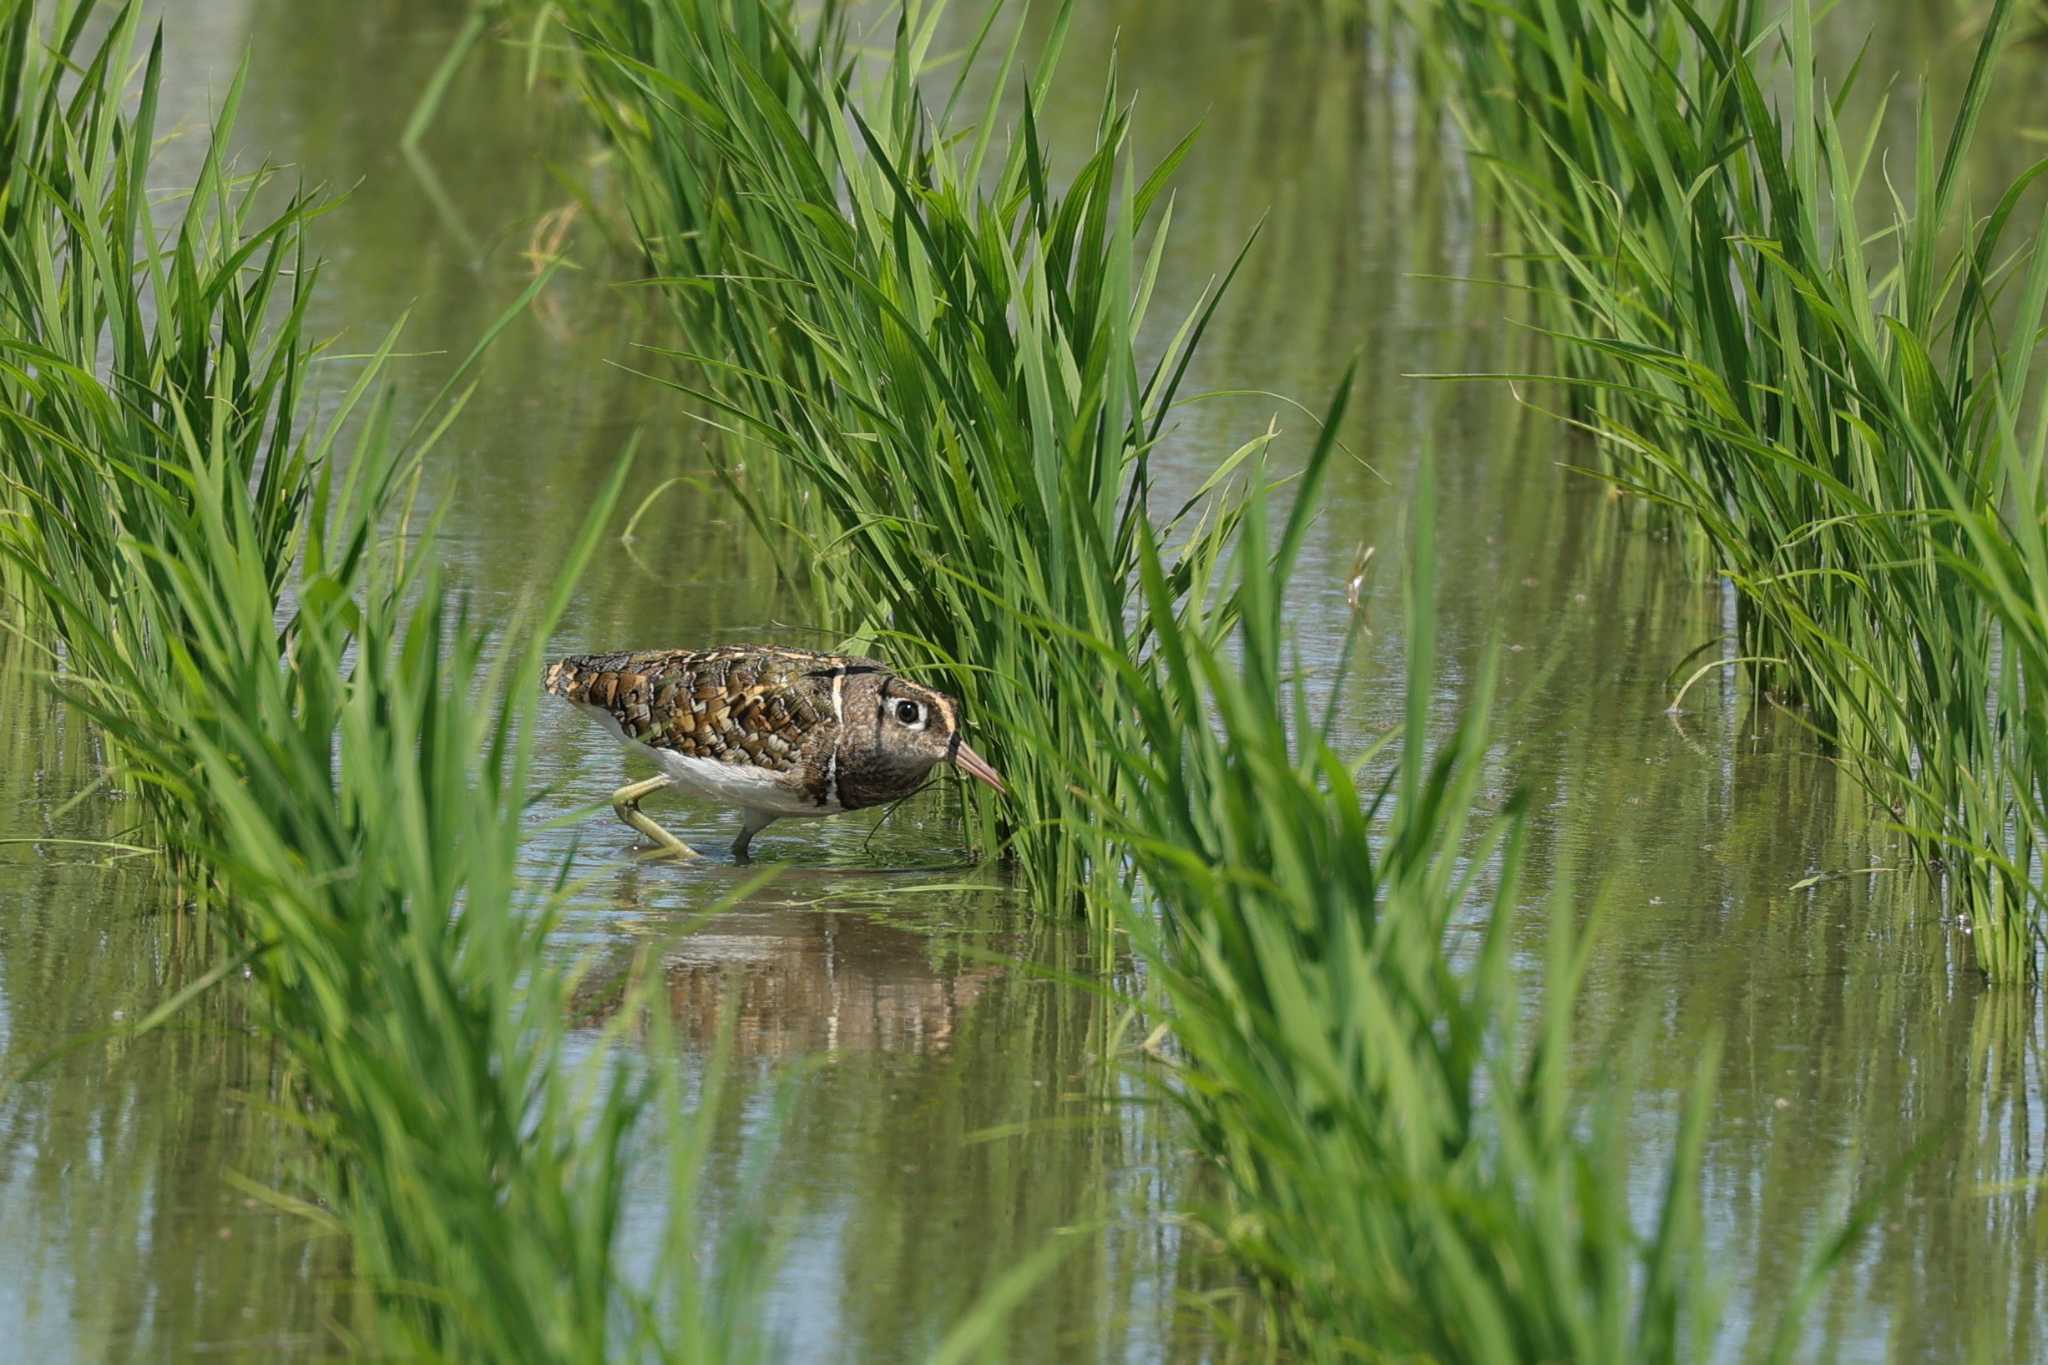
[(626, 801), (752, 823)]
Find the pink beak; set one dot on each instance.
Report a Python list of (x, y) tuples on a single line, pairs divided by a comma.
[(975, 766)]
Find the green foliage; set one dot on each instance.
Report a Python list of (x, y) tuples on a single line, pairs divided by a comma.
[(1832, 406), (328, 743), (925, 345), (1407, 1170), (372, 800), (90, 286), (1571, 110), (933, 345)]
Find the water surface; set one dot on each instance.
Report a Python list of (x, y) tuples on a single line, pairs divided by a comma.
[(933, 1102)]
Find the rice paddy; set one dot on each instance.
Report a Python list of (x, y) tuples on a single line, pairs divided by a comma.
[(1446, 908)]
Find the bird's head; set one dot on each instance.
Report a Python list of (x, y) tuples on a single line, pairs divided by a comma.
[(893, 732)]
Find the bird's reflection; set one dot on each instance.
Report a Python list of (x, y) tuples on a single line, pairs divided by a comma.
[(814, 962)]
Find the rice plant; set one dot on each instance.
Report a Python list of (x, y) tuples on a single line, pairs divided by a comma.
[(363, 780), (370, 824), (1826, 402), (686, 191), (1568, 109), (333, 749), (929, 339), (1409, 1171), (179, 323)]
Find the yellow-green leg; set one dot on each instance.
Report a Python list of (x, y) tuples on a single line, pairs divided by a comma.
[(626, 801)]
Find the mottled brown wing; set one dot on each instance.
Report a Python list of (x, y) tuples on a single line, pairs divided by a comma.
[(755, 705)]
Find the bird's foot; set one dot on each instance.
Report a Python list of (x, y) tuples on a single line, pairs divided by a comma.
[(626, 803), (665, 843)]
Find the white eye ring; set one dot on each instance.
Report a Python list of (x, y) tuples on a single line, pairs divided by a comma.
[(910, 714)]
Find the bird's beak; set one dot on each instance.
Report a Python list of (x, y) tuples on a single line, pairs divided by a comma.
[(975, 766)]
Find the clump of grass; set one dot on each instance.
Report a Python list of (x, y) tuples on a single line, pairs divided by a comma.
[(178, 323), (332, 748), (364, 779), (372, 800), (1828, 419), (1409, 1173), (1568, 110), (688, 193), (931, 338)]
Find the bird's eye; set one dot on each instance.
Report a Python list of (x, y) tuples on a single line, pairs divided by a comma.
[(910, 712)]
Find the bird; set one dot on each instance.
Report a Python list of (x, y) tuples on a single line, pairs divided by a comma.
[(777, 733)]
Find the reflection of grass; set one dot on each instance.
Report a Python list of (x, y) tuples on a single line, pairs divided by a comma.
[(927, 340), (530, 25)]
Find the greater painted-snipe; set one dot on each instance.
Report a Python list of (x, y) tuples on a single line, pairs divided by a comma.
[(775, 732)]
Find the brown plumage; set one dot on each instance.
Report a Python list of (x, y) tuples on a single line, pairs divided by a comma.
[(776, 732)]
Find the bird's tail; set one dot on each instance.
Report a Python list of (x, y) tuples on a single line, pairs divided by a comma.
[(574, 678)]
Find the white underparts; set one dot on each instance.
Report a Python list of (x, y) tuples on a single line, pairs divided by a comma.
[(728, 784), (831, 797)]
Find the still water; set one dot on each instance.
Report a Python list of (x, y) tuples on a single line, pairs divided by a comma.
[(931, 1100)]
